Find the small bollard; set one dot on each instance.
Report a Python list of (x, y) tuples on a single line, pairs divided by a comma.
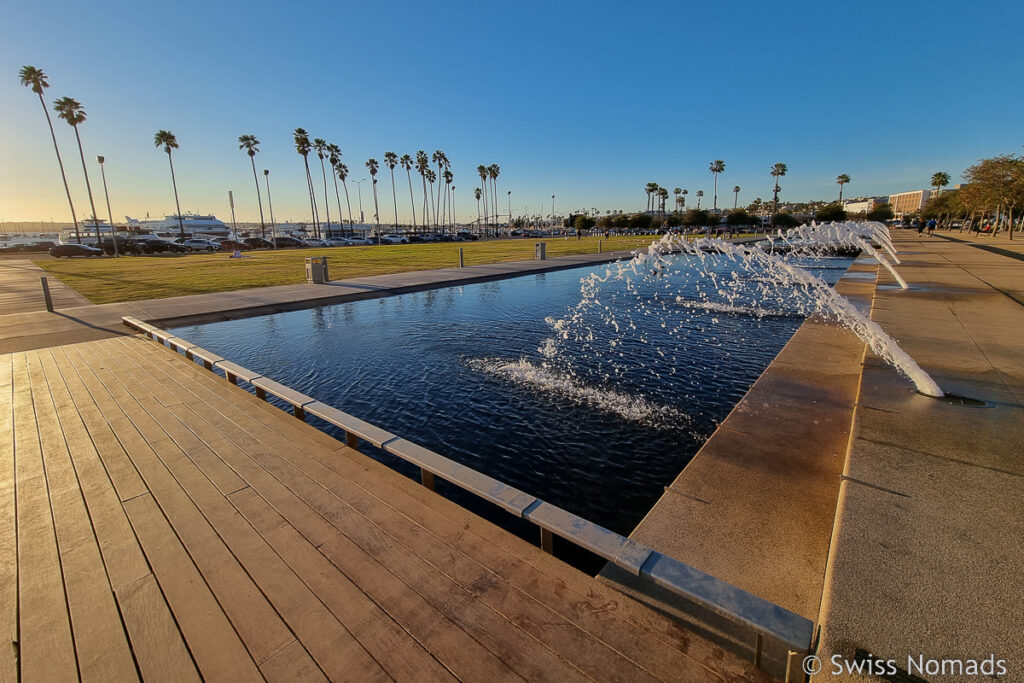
[(462, 263), (46, 293), (600, 246)]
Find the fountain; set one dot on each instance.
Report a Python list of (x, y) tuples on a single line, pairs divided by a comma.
[(815, 237), (729, 278)]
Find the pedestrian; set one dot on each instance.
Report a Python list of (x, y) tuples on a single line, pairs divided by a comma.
[(920, 226), (931, 227)]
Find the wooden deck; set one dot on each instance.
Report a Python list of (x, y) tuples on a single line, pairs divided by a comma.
[(159, 523)]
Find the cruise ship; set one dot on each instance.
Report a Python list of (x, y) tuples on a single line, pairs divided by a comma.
[(196, 225)]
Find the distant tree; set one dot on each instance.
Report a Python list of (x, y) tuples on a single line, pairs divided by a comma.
[(584, 222), (785, 220), (939, 181), (881, 213), (678, 192), (657, 223), (493, 171), (717, 166), (841, 180), (740, 217), (373, 166), (700, 193), (334, 158), (736, 196), (303, 146), (71, 111), (407, 163), (673, 220), (995, 185), (695, 217), (320, 145), (663, 197), (166, 139), (640, 221), (391, 160), (342, 172), (778, 170), (251, 146), (831, 212), (34, 78), (620, 220)]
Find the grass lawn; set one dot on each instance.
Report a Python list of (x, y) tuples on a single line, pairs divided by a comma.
[(106, 279)]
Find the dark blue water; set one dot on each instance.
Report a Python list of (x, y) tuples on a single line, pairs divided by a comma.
[(459, 371)]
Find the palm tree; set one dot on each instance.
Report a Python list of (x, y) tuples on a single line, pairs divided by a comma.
[(342, 171), (482, 172), (251, 145), (663, 196), (841, 180), (700, 193), (372, 166), (431, 178), (494, 171), (939, 181), (422, 166), (736, 196), (391, 160), (36, 79), (270, 207), (477, 193), (320, 145), (438, 158), (677, 191), (303, 147), (334, 158), (684, 193), (650, 189), (72, 112), (448, 178), (406, 162), (778, 170), (717, 166), (166, 139)]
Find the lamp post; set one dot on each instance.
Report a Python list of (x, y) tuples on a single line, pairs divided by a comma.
[(455, 220), (552, 210), (359, 189), (110, 215), (510, 213), (273, 230)]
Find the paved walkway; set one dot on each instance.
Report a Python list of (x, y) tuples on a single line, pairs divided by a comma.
[(157, 522), (34, 328), (20, 290)]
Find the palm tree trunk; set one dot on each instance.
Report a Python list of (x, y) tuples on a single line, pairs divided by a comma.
[(259, 199), (60, 162), (412, 200), (177, 204), (351, 225), (394, 196), (440, 181), (433, 206), (715, 207), (88, 187), (376, 211), (327, 202), (426, 204), (337, 198), (312, 199), (486, 219)]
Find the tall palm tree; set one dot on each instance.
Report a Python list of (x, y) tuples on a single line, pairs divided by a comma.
[(303, 147), (342, 171), (482, 172), (448, 178), (778, 170), (494, 171), (391, 160), (663, 196), (939, 181), (251, 145), (334, 158), (736, 196), (36, 80), (166, 139), (700, 193), (71, 111), (372, 166), (422, 166), (841, 180), (477, 193), (684, 193), (650, 189), (438, 158), (406, 162), (431, 178), (717, 166), (320, 145), (677, 191)]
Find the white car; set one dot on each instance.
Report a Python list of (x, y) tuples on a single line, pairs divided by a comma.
[(196, 244), (393, 239), (314, 242), (338, 242), (358, 241)]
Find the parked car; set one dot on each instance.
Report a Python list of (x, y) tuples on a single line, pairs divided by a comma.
[(258, 243), (285, 241), (338, 242), (358, 241), (468, 236), (39, 247), (196, 244), (70, 250), (393, 239), (232, 245), (155, 245), (314, 242)]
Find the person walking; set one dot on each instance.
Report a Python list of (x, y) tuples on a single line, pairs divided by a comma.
[(931, 227), (920, 226)]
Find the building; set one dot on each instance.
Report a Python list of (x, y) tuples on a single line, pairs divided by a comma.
[(863, 204), (909, 202)]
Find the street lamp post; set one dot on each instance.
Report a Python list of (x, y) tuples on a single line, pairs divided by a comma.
[(110, 215), (552, 211), (455, 220), (510, 213)]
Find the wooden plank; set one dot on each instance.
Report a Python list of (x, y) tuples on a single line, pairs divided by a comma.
[(100, 641), (259, 626), (216, 647), (8, 527), (453, 647), (45, 645), (292, 665), (159, 649), (122, 556)]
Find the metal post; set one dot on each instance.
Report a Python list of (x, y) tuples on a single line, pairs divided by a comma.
[(462, 263), (758, 648), (600, 246), (46, 293), (110, 215)]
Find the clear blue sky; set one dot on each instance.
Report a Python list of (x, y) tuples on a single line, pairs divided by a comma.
[(585, 100)]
